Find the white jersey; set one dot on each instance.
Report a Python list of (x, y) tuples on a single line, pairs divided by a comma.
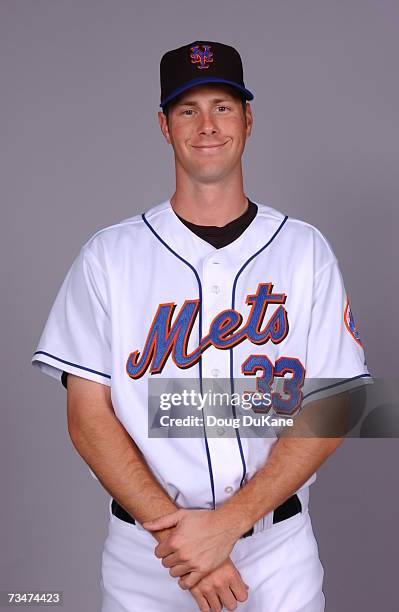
[(148, 298)]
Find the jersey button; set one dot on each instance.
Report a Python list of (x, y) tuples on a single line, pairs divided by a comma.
[(215, 372), (215, 289), (220, 431), (229, 490)]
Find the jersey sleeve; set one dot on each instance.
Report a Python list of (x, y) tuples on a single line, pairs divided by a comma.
[(76, 338), (335, 359)]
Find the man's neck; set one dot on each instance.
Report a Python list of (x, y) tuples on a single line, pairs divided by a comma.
[(215, 204)]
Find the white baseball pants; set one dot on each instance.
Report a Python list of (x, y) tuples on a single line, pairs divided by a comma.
[(281, 565)]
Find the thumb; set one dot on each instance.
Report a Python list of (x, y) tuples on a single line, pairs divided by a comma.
[(164, 522)]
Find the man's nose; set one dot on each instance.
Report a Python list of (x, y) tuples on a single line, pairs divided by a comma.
[(207, 124)]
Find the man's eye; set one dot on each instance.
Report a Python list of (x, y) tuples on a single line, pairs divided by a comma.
[(222, 107), (188, 111)]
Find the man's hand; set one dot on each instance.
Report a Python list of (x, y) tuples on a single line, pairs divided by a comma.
[(197, 543), (222, 588)]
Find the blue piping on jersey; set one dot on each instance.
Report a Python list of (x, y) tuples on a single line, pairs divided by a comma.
[(208, 456), (75, 365), (233, 298), (341, 382)]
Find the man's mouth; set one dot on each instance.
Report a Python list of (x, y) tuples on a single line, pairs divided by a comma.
[(209, 146)]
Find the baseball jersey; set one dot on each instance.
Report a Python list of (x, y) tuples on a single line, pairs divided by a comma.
[(147, 298), (215, 235)]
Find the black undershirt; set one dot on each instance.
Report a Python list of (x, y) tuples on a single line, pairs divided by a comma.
[(218, 237), (222, 236)]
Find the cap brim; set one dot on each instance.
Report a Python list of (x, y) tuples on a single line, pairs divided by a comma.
[(203, 81)]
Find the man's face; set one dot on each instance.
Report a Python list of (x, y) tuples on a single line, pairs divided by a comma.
[(207, 128)]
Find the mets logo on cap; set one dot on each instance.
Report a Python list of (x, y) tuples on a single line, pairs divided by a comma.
[(201, 55), (350, 323)]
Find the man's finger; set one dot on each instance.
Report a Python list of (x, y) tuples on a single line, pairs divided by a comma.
[(179, 570), (202, 603), (213, 600), (195, 577), (190, 580), (163, 550), (172, 559), (239, 590), (227, 598)]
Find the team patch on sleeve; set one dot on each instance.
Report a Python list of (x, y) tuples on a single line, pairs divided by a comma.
[(350, 323)]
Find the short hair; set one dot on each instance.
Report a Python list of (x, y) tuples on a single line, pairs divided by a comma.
[(232, 90)]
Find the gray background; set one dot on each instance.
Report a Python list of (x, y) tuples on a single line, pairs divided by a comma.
[(81, 149)]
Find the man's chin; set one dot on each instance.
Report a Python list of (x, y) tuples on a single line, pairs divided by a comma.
[(210, 176)]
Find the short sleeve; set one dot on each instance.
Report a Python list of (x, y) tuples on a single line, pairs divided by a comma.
[(335, 359), (76, 338)]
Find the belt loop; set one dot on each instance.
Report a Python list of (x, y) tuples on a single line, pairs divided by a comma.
[(303, 495), (268, 520), (111, 514)]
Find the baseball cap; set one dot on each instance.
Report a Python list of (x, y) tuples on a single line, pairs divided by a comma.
[(199, 63)]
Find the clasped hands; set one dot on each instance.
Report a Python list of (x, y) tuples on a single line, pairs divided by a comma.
[(196, 550)]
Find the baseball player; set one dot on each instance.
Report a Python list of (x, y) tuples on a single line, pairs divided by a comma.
[(206, 285)]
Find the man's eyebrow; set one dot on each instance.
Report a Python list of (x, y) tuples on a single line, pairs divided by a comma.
[(194, 103)]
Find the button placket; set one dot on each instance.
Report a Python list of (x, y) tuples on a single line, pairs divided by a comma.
[(224, 450), (216, 297)]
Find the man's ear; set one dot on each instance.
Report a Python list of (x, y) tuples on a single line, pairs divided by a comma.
[(249, 119), (163, 124)]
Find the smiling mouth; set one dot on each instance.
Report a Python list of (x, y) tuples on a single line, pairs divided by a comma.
[(215, 146)]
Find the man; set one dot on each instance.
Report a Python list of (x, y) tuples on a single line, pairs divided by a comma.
[(206, 285)]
